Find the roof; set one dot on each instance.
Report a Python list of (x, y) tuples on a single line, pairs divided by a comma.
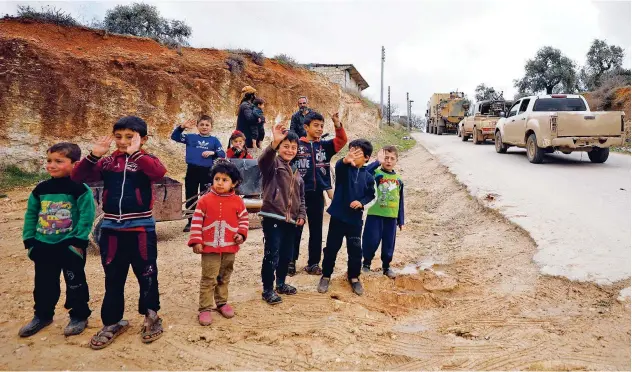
[(352, 71)]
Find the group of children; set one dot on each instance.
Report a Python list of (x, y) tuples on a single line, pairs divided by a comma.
[(295, 174)]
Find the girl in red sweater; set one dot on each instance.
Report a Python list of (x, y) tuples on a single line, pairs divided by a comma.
[(238, 148), (219, 226)]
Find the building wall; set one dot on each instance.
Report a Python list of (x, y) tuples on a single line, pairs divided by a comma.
[(338, 75)]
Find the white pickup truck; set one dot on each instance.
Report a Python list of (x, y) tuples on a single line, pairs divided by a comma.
[(559, 122)]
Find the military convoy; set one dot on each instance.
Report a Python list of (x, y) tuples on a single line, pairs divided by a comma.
[(542, 124), (445, 111)]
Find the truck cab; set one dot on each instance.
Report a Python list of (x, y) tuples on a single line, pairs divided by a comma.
[(481, 120), (559, 122)]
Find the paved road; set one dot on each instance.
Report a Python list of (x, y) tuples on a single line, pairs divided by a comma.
[(577, 212)]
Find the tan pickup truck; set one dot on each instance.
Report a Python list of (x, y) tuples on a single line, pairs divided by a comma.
[(481, 123), (559, 122)]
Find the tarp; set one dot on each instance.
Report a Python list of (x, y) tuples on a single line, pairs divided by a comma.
[(251, 176)]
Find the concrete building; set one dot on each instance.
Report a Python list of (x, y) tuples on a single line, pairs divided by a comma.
[(344, 75)]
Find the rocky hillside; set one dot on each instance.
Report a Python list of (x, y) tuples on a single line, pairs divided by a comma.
[(614, 99), (72, 84)]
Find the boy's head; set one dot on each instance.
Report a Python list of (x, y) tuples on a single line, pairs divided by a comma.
[(314, 124), (259, 102), (205, 125), (238, 140), (60, 159), (288, 147), (225, 176), (367, 150), (390, 157), (125, 129)]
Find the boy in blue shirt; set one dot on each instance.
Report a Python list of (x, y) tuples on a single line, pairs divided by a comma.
[(202, 150), (354, 189)]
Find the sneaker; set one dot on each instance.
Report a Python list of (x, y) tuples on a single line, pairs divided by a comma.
[(271, 297), (286, 289), (356, 286), (226, 310), (323, 285), (75, 327), (313, 269), (205, 318), (291, 268), (35, 325), (187, 228), (390, 273), (366, 269)]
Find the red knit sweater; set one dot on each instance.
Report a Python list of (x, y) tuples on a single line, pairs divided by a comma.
[(216, 221), (230, 154)]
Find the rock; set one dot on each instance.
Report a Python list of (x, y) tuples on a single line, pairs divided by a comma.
[(43, 338)]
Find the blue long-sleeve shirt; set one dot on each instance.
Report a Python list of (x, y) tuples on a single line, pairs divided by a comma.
[(351, 184), (196, 145)]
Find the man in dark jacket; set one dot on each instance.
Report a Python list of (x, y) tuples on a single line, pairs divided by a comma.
[(296, 125)]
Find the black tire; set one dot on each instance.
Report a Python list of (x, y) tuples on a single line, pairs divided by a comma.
[(599, 155), (464, 138), (458, 131), (535, 154), (475, 137), (95, 235), (501, 148), (440, 130)]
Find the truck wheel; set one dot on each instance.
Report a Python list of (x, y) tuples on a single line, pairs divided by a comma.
[(464, 137), (475, 137), (439, 130), (501, 148), (535, 154), (598, 155)]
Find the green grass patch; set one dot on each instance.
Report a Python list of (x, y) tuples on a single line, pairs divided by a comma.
[(12, 177), (620, 150)]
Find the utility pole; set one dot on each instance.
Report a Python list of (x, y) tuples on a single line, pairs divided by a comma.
[(388, 107), (407, 111), (382, 86), (410, 112)]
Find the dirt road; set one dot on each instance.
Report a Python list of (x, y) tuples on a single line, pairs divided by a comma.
[(577, 212), (468, 297)]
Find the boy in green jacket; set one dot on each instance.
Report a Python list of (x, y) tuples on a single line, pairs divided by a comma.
[(57, 224)]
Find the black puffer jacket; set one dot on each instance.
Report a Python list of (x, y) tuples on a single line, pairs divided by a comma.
[(247, 123)]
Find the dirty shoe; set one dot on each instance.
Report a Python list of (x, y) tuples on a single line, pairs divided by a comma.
[(366, 269), (323, 285), (271, 297), (205, 318), (226, 310), (356, 286), (291, 268), (390, 273), (35, 325), (75, 327)]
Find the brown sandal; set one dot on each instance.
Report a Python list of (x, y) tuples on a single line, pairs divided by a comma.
[(107, 334), (153, 331)]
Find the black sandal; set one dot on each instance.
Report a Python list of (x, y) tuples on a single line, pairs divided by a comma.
[(271, 297), (286, 289), (313, 269)]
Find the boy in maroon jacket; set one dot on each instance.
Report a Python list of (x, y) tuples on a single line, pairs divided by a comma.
[(129, 229)]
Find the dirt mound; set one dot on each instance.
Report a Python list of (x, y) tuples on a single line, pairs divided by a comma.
[(73, 83)]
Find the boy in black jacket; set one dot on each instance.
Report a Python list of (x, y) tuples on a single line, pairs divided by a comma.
[(354, 190)]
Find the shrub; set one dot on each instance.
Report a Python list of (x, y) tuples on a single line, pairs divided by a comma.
[(286, 60), (144, 20), (235, 63), (256, 57), (47, 14)]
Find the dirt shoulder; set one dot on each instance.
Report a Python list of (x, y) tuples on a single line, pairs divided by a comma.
[(468, 297)]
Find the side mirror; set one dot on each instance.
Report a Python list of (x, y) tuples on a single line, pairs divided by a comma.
[(502, 114)]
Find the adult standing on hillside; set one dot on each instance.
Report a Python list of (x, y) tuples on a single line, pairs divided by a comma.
[(246, 119), (296, 125)]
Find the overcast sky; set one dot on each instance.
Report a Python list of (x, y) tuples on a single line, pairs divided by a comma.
[(431, 46)]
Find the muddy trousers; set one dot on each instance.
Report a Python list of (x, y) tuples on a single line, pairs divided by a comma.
[(195, 181), (119, 250), (379, 229), (337, 231), (278, 242), (51, 260), (315, 207), (216, 271)]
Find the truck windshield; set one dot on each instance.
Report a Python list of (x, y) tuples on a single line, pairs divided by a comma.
[(559, 104)]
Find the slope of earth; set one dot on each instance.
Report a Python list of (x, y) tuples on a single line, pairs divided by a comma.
[(72, 84), (617, 99), (468, 297)]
